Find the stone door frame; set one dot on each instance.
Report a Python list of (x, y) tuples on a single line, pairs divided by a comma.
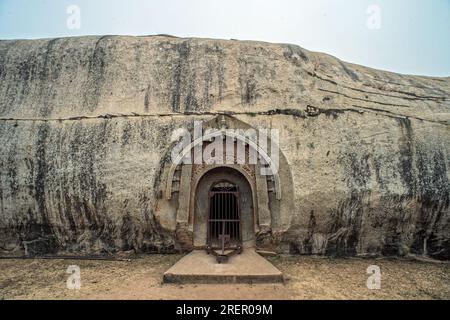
[(184, 178)]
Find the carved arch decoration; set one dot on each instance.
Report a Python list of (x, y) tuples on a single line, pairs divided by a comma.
[(223, 133)]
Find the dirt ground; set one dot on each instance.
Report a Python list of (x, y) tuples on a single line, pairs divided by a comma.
[(306, 278)]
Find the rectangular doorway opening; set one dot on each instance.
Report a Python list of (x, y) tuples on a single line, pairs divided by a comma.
[(224, 223)]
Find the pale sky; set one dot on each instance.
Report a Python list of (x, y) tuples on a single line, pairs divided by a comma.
[(406, 36)]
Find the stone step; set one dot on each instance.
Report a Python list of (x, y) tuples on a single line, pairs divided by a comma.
[(199, 267)]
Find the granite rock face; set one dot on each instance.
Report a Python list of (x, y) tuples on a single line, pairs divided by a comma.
[(85, 127)]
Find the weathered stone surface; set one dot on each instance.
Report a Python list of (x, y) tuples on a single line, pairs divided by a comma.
[(85, 126), (199, 267)]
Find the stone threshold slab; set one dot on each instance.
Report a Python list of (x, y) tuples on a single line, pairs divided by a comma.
[(199, 267)]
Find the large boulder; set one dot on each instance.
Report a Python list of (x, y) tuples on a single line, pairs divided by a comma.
[(85, 127)]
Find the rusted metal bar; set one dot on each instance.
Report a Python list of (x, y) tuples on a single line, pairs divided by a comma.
[(224, 224)]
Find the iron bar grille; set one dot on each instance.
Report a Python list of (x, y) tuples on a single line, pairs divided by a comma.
[(224, 224)]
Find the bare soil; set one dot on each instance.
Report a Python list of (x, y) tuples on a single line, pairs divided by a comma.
[(306, 278)]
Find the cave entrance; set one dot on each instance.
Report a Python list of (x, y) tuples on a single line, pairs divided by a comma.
[(224, 222), (224, 215)]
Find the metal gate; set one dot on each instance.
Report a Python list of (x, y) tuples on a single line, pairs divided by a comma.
[(224, 223)]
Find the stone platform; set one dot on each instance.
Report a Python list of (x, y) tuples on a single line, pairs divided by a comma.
[(199, 267)]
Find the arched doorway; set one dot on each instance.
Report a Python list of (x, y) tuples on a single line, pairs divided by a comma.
[(269, 192), (223, 209)]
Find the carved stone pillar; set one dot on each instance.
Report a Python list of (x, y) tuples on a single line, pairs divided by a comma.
[(183, 234), (262, 196)]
